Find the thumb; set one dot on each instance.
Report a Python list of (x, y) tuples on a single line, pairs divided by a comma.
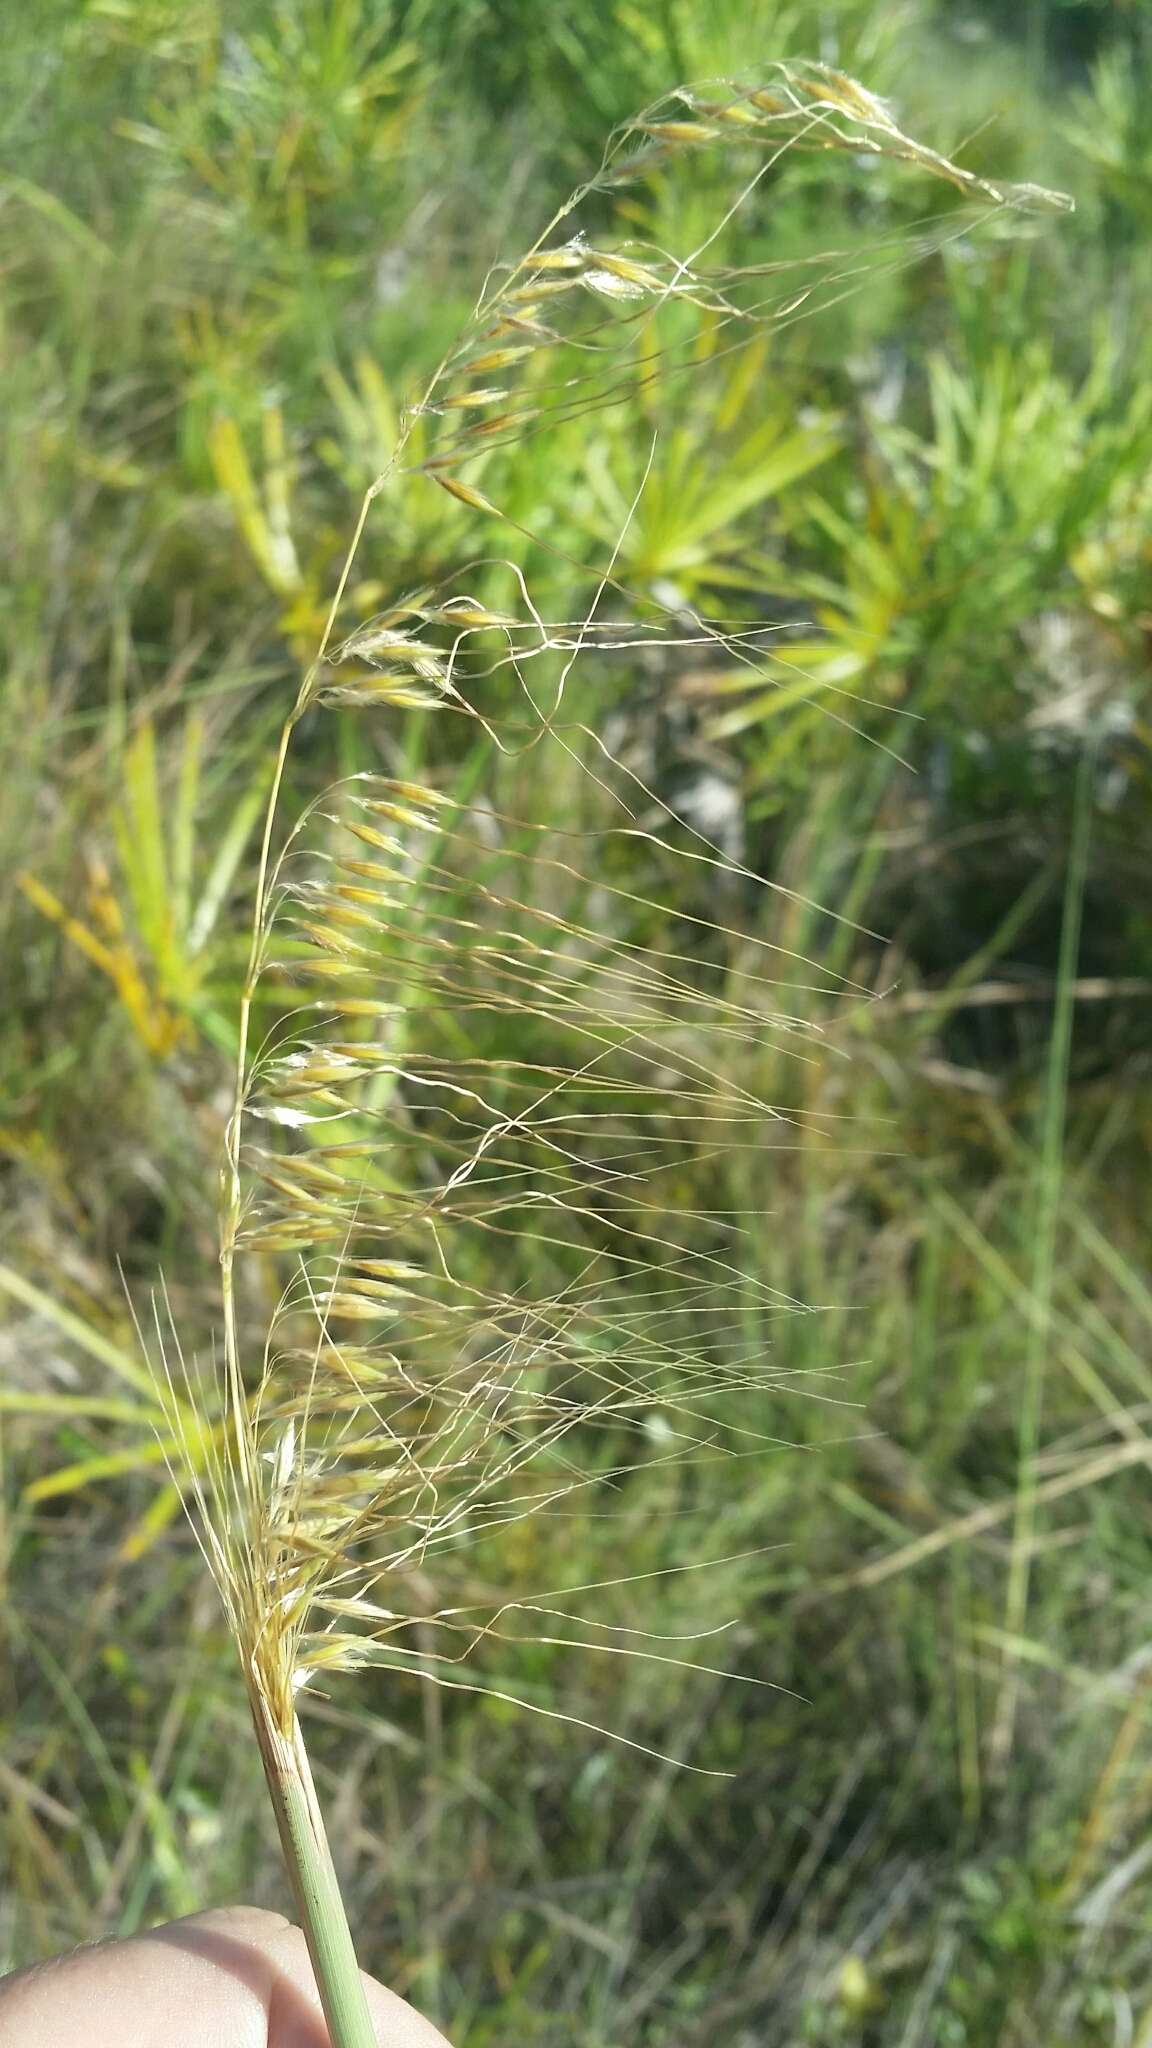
[(238, 1978)]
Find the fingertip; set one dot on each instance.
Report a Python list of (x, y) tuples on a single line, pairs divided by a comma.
[(398, 2024), (236, 1975), (255, 1924)]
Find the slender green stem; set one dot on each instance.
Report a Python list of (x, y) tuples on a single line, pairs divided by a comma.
[(318, 1902), (232, 1192), (1045, 1230)]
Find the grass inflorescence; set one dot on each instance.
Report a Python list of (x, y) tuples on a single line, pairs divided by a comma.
[(456, 1059)]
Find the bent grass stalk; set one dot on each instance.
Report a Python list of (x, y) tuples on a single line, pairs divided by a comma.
[(476, 1054)]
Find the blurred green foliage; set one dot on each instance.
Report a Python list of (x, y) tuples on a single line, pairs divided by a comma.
[(233, 235)]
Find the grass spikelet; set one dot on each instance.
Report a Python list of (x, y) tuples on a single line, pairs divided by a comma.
[(485, 1047)]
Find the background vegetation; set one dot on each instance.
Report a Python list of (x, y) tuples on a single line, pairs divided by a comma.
[(233, 233)]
